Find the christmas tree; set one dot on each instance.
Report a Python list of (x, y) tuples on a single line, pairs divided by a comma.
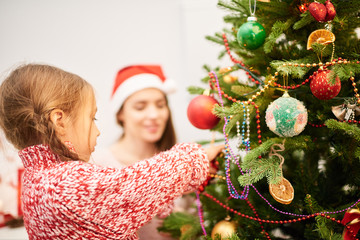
[(291, 128)]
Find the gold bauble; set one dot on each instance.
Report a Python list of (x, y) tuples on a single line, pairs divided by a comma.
[(224, 70), (185, 228), (229, 79), (224, 228)]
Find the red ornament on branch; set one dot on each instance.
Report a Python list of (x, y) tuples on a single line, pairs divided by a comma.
[(351, 221), (322, 12), (322, 89), (318, 11), (330, 11), (199, 112)]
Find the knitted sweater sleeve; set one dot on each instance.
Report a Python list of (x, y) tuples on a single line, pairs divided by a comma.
[(109, 200)]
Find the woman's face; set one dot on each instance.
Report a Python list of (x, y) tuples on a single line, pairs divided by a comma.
[(144, 115)]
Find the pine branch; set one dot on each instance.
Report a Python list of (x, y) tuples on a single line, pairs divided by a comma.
[(235, 19), (349, 129), (345, 71), (234, 110), (242, 90), (305, 20), (222, 54), (277, 29), (324, 231), (311, 204), (179, 220), (357, 153), (322, 51), (295, 72), (254, 154), (195, 90), (234, 6), (266, 167), (215, 39)]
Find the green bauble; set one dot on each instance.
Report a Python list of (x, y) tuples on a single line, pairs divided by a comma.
[(251, 35), (286, 116)]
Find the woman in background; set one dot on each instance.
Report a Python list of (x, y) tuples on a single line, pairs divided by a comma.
[(139, 102)]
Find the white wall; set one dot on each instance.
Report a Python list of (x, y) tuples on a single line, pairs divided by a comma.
[(95, 38)]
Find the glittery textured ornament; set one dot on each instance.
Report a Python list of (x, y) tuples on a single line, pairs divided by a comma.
[(199, 112), (318, 11), (322, 89), (286, 116), (251, 35), (330, 11)]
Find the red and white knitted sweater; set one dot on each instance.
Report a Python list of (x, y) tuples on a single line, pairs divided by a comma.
[(78, 200)]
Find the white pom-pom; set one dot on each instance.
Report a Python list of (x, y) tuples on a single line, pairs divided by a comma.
[(169, 86)]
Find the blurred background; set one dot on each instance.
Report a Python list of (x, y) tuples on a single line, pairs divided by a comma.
[(94, 39)]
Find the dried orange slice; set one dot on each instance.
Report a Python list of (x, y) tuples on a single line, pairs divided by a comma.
[(283, 192), (321, 36)]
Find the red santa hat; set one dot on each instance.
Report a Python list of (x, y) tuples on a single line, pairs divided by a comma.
[(138, 77)]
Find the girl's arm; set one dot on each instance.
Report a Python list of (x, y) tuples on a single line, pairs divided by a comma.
[(119, 201)]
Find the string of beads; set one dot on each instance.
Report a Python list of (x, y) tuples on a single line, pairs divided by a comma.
[(352, 79), (198, 203), (250, 101), (215, 81), (275, 221), (227, 169)]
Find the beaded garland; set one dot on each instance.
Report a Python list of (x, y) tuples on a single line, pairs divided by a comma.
[(352, 79), (230, 155), (246, 122), (198, 203), (289, 213), (228, 151), (259, 220)]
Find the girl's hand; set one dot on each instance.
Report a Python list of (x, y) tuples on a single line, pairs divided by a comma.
[(213, 151)]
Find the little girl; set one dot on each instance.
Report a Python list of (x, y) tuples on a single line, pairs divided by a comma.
[(48, 114)]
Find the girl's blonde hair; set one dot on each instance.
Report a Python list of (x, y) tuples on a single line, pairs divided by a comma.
[(27, 97)]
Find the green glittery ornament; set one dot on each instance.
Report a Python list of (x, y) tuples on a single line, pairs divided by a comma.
[(286, 116), (251, 35)]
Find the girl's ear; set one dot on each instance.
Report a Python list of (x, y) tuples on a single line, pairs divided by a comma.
[(57, 117)]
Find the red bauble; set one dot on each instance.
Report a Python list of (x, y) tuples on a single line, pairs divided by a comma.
[(318, 11), (331, 12), (322, 89), (200, 114)]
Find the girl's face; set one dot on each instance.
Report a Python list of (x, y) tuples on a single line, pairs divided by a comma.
[(144, 115), (83, 132)]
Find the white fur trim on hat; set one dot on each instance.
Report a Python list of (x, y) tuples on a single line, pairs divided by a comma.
[(137, 83)]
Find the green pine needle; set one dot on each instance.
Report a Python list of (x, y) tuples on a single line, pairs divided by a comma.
[(306, 19), (349, 129), (277, 29)]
